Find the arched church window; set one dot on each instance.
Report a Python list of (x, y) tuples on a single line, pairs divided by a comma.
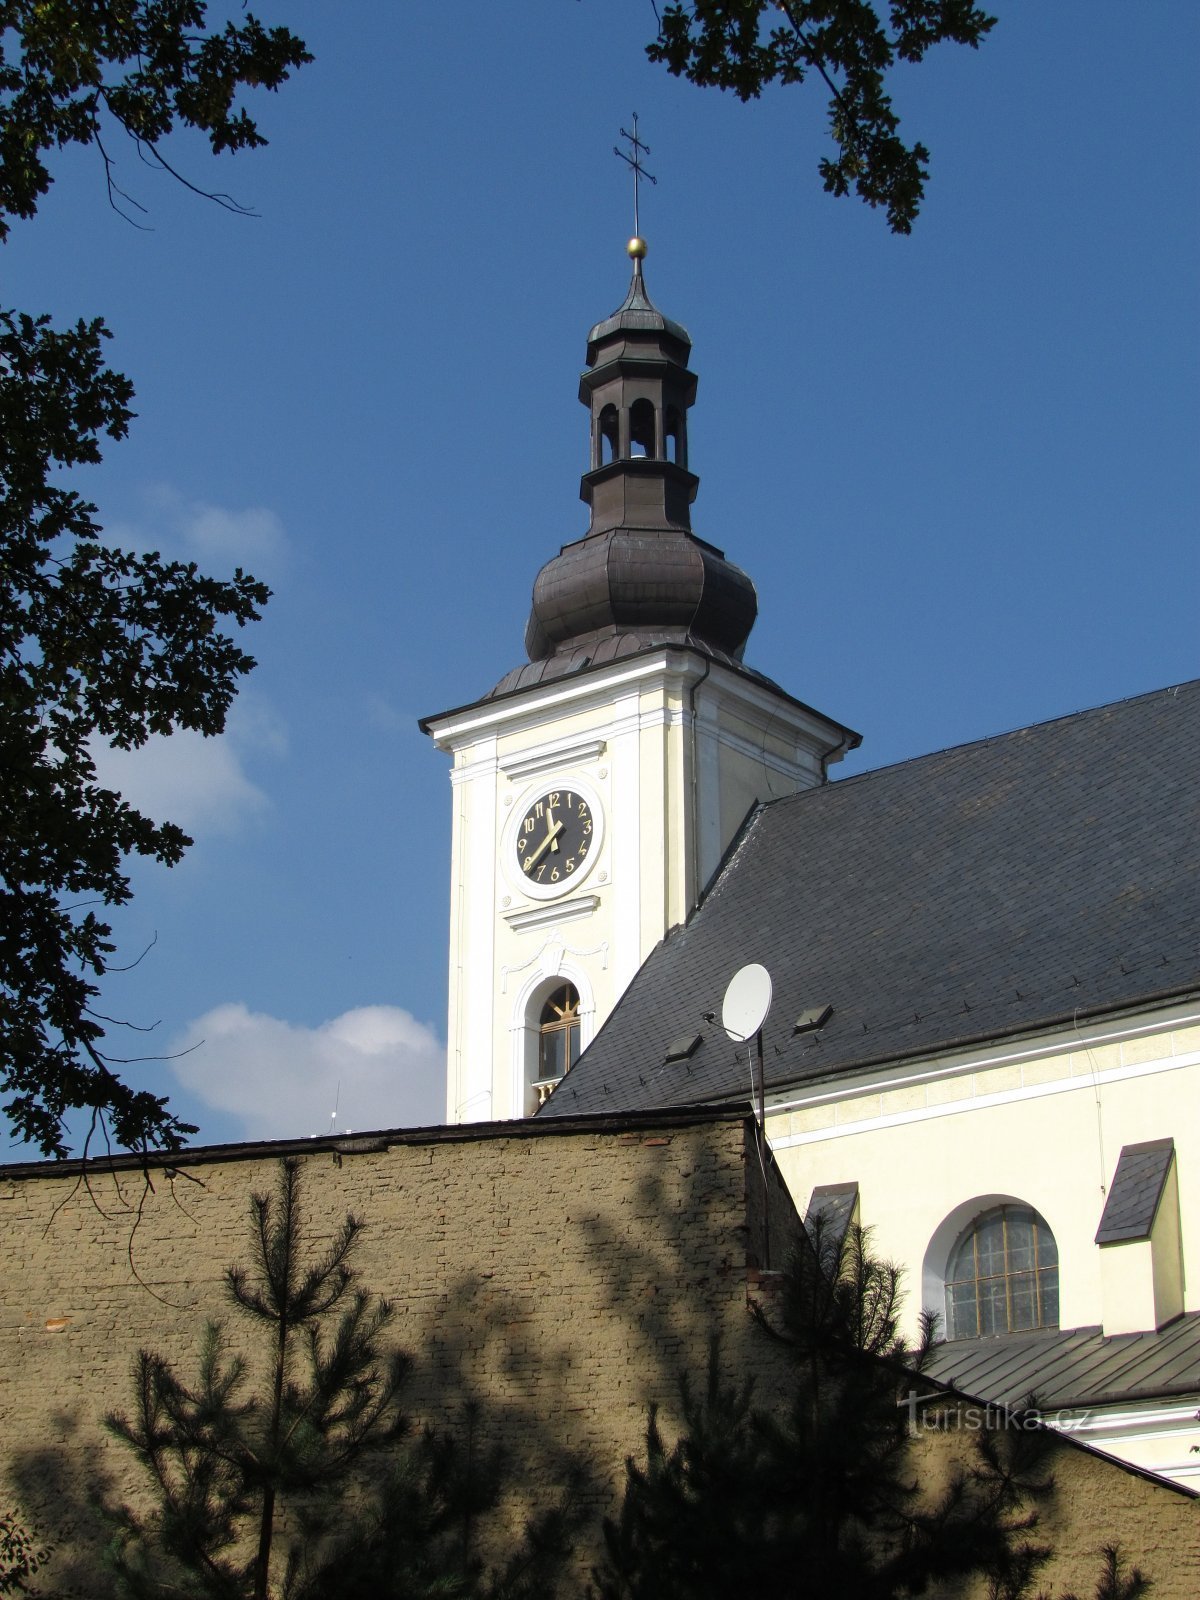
[(558, 1038), (1002, 1275), (675, 442), (609, 435)]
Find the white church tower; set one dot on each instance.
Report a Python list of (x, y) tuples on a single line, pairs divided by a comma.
[(596, 788)]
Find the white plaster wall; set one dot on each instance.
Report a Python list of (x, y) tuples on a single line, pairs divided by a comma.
[(1166, 1251), (674, 751), (932, 1143), (1127, 1286), (472, 947)]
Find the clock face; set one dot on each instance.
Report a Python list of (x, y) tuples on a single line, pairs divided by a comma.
[(555, 839)]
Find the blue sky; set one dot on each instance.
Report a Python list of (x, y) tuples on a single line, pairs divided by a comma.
[(961, 467)]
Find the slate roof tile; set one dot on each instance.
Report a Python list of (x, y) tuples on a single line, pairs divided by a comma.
[(994, 889), (1137, 1187)]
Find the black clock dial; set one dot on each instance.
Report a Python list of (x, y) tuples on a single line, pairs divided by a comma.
[(555, 837)]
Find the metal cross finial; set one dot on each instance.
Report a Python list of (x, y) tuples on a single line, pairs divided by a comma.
[(635, 162)]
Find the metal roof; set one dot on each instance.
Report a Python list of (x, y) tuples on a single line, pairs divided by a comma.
[(1063, 1370), (637, 313), (997, 889)]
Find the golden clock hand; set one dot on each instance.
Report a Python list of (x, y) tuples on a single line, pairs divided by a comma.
[(546, 842)]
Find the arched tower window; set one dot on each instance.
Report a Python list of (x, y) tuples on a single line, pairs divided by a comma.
[(558, 1039), (641, 428), (608, 435), (675, 437), (1002, 1275)]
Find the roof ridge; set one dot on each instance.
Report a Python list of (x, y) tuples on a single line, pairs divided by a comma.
[(1169, 691)]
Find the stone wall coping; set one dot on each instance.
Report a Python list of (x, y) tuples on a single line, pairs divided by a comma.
[(374, 1141)]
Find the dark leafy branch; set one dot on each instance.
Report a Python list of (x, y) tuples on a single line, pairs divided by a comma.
[(144, 67), (97, 645), (744, 45)]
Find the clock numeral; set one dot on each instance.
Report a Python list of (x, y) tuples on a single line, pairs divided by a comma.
[(570, 866), (538, 809), (583, 810), (570, 800), (582, 850), (554, 876), (527, 863), (587, 828), (541, 871), (528, 825), (552, 799)]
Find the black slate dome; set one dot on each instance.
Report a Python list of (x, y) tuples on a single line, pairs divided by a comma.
[(661, 586)]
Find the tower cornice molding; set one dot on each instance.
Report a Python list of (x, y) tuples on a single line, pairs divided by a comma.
[(668, 666), (582, 691)]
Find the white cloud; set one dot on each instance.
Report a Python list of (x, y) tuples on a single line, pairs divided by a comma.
[(199, 783), (382, 714), (378, 1064), (252, 538)]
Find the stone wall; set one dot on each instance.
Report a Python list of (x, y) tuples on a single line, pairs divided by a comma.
[(562, 1274), (1092, 1501)]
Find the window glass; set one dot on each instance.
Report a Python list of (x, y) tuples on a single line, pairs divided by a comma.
[(558, 1035), (993, 1310), (1022, 1301), (962, 1310), (1020, 1242), (554, 1053), (989, 1245), (1048, 1290), (1002, 1276)]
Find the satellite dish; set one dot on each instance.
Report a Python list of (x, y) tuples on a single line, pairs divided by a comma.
[(747, 1001)]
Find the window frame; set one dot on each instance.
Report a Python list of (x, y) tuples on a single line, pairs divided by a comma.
[(1043, 1275), (568, 1020)]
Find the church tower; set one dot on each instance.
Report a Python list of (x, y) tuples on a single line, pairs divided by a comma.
[(597, 786)]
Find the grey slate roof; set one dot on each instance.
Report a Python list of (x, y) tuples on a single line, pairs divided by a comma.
[(833, 1208), (1137, 1188), (989, 890), (1076, 1368)]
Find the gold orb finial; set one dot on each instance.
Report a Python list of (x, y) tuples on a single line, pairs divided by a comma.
[(636, 248)]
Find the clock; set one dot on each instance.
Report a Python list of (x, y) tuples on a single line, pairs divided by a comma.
[(555, 840)]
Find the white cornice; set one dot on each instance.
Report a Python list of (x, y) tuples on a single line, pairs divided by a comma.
[(975, 1102), (1135, 1420), (786, 766), (572, 910), (486, 767), (597, 687), (936, 1067), (558, 753), (576, 692)]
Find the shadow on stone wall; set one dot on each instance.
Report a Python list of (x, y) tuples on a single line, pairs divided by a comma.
[(560, 1327), (60, 1488)]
